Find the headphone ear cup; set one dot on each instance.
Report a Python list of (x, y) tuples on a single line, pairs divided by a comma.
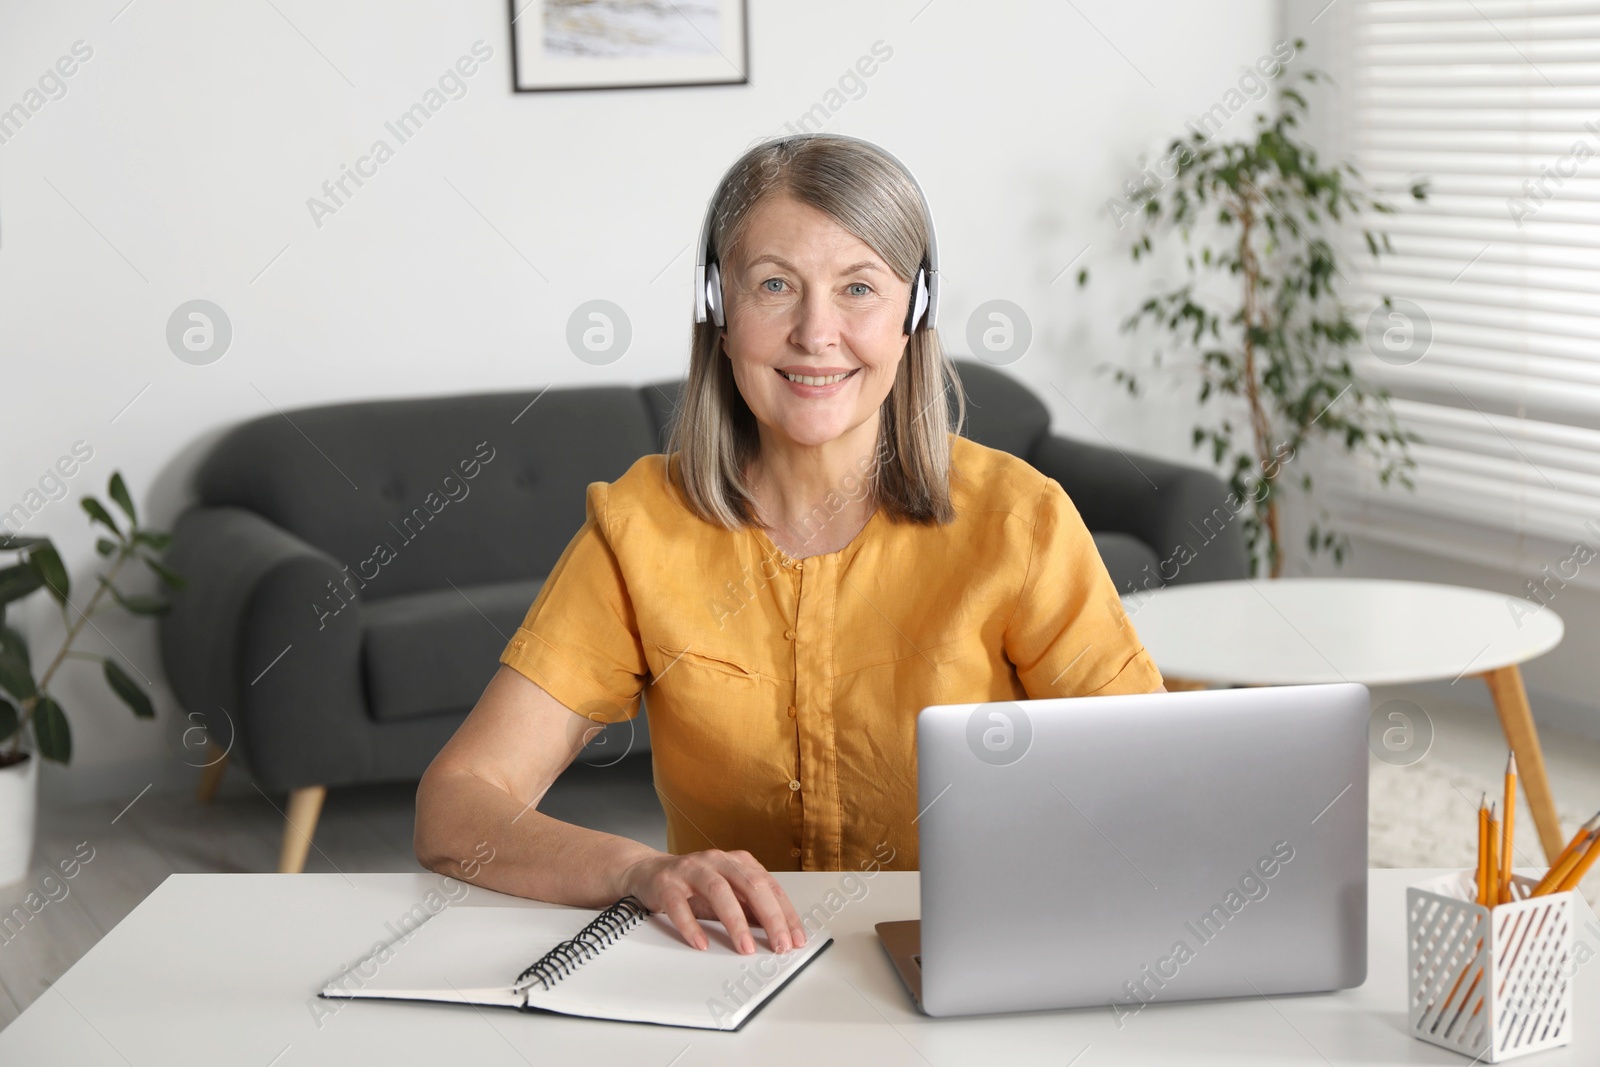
[(714, 293), (919, 302)]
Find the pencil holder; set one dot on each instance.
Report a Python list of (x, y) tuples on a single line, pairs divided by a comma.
[(1489, 983)]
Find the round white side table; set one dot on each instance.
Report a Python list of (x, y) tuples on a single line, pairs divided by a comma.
[(1303, 631)]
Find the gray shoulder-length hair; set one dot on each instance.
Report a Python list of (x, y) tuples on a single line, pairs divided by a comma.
[(714, 433)]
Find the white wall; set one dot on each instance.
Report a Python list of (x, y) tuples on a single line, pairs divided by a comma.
[(178, 165)]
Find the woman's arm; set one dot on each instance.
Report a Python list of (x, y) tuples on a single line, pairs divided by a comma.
[(480, 795)]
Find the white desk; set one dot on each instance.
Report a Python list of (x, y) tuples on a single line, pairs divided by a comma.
[(220, 970)]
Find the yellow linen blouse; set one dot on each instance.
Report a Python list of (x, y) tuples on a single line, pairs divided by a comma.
[(783, 694)]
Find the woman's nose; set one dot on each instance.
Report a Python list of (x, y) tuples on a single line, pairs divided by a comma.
[(816, 322)]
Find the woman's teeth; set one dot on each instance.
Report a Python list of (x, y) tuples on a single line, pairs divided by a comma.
[(803, 380)]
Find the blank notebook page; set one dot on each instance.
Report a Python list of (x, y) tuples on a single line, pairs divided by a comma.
[(648, 974)]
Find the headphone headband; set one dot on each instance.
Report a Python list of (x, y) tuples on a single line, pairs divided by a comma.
[(925, 286)]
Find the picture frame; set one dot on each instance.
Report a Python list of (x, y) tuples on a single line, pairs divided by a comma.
[(565, 45)]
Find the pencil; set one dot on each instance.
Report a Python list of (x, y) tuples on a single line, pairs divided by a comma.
[(1492, 897), (1590, 855), (1509, 824), (1483, 850), (1568, 858)]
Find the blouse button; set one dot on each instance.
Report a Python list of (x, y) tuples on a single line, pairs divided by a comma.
[(788, 635), (794, 852), (792, 711), (517, 644), (793, 785), (799, 566)]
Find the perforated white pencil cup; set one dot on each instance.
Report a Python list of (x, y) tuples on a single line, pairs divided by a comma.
[(1489, 983)]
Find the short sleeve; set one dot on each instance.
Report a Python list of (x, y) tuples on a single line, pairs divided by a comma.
[(1069, 634), (580, 639)]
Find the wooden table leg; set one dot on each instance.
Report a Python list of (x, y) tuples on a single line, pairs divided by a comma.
[(305, 805), (211, 773), (1511, 701)]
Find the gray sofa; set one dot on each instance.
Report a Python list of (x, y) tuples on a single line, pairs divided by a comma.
[(355, 570)]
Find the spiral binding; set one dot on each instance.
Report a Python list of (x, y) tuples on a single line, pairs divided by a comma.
[(601, 931)]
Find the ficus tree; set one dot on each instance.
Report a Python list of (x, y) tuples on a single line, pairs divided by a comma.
[(1261, 220), (26, 702)]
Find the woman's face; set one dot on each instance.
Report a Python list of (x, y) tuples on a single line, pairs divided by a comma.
[(807, 298)]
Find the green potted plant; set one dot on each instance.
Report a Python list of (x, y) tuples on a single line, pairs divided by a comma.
[(1258, 220), (32, 722)]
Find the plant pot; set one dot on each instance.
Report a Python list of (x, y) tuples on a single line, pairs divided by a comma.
[(19, 791)]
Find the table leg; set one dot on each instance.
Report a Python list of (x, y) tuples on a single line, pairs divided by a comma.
[(211, 774), (1511, 701), (305, 806)]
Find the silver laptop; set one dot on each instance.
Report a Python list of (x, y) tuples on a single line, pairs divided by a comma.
[(1122, 851)]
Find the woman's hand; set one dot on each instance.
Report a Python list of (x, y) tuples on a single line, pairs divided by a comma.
[(730, 887)]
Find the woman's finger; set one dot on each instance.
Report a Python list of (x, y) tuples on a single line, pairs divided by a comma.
[(713, 885), (791, 914), (760, 891), (682, 916)]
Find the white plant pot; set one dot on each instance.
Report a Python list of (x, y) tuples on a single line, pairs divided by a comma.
[(18, 804)]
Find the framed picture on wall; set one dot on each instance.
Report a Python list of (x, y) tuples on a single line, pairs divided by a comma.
[(627, 44)]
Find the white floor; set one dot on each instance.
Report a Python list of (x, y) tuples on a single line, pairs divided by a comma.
[(369, 829)]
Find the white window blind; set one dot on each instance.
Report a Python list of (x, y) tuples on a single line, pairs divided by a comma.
[(1497, 103)]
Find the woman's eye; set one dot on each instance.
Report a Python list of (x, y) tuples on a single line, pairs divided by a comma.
[(769, 282), (861, 285)]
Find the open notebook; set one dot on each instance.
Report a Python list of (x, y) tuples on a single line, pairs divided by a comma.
[(622, 963)]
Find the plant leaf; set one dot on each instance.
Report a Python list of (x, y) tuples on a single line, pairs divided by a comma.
[(9, 719), (105, 546), (16, 672), (154, 538), (166, 573), (98, 513), (10, 543), (119, 493), (129, 691), (51, 731), (13, 643), (138, 603), (17, 582), (46, 562)]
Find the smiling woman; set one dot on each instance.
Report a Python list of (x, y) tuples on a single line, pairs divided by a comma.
[(783, 734)]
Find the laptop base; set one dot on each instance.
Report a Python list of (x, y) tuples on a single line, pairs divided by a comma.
[(902, 940)]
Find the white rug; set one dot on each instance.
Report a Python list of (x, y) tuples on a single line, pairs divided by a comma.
[(1426, 815)]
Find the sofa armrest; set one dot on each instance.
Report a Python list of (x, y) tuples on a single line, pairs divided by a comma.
[(1180, 512), (260, 634)]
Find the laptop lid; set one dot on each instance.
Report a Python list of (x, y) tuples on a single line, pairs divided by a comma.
[(1124, 850)]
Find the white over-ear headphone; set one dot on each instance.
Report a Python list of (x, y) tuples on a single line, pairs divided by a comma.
[(922, 312)]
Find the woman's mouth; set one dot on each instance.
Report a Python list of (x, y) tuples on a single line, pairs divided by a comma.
[(816, 381)]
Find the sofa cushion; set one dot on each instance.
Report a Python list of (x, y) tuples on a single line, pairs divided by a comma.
[(1126, 559), (432, 653), (483, 488), (1002, 413)]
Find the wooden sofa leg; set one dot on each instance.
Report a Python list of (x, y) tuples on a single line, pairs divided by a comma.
[(305, 805), (211, 773)]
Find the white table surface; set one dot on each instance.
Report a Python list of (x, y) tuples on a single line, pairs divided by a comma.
[(1302, 631), (221, 969)]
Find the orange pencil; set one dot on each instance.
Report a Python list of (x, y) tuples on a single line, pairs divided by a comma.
[(1483, 850), (1509, 824), (1568, 858), (1493, 895), (1482, 880), (1590, 855)]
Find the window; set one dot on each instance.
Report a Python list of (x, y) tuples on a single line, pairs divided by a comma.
[(1493, 352)]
